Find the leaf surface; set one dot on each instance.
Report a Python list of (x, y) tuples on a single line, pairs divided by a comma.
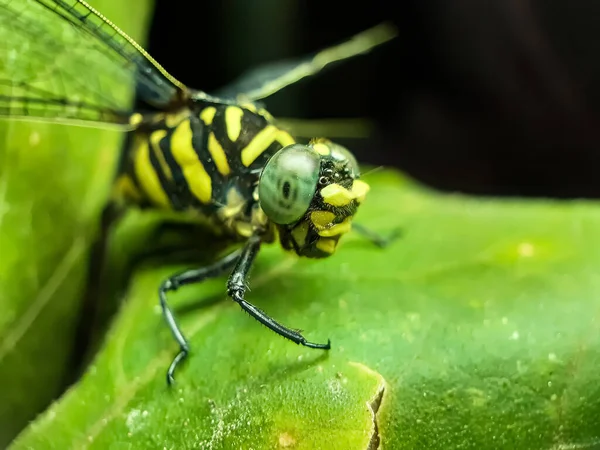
[(479, 328), (54, 181)]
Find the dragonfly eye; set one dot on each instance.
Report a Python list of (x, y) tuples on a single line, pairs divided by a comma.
[(288, 183)]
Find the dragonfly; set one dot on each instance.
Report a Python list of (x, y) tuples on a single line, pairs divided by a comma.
[(221, 160)]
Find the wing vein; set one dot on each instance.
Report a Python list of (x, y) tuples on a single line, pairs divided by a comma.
[(63, 60)]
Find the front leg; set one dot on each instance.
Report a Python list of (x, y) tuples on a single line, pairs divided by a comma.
[(236, 288)]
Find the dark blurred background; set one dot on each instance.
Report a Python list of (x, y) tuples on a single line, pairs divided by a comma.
[(495, 97)]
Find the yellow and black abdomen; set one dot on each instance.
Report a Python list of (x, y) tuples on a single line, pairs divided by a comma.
[(202, 160)]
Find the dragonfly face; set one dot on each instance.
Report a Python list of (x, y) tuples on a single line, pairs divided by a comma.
[(311, 193)]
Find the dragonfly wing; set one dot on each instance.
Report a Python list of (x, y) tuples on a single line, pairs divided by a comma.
[(63, 60), (271, 78)]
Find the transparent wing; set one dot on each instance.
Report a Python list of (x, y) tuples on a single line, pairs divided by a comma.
[(62, 60), (346, 128), (270, 78)]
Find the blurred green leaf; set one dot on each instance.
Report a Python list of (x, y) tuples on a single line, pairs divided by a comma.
[(54, 181), (479, 328)]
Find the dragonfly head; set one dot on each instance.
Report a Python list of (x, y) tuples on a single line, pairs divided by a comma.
[(311, 193)]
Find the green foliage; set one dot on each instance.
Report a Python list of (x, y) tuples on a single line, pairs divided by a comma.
[(479, 328), (53, 182)]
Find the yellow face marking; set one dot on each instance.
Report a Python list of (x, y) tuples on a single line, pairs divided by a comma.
[(336, 195), (125, 188), (321, 149), (155, 139), (147, 177), (194, 172), (299, 234), (359, 190), (218, 155), (208, 114), (263, 139), (322, 219), (233, 122), (326, 245), (337, 229)]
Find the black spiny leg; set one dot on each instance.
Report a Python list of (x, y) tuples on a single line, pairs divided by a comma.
[(375, 238), (236, 288), (181, 279)]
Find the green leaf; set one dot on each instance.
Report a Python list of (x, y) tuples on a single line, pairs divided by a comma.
[(54, 181), (479, 328)]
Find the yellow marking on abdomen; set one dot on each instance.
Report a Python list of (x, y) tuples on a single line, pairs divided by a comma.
[(263, 139), (155, 139), (208, 114), (193, 170), (233, 122), (218, 155), (147, 176)]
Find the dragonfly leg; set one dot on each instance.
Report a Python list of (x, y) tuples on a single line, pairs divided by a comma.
[(236, 288), (375, 238), (175, 282)]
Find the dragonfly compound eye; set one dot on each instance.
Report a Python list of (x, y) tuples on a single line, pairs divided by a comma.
[(288, 183)]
